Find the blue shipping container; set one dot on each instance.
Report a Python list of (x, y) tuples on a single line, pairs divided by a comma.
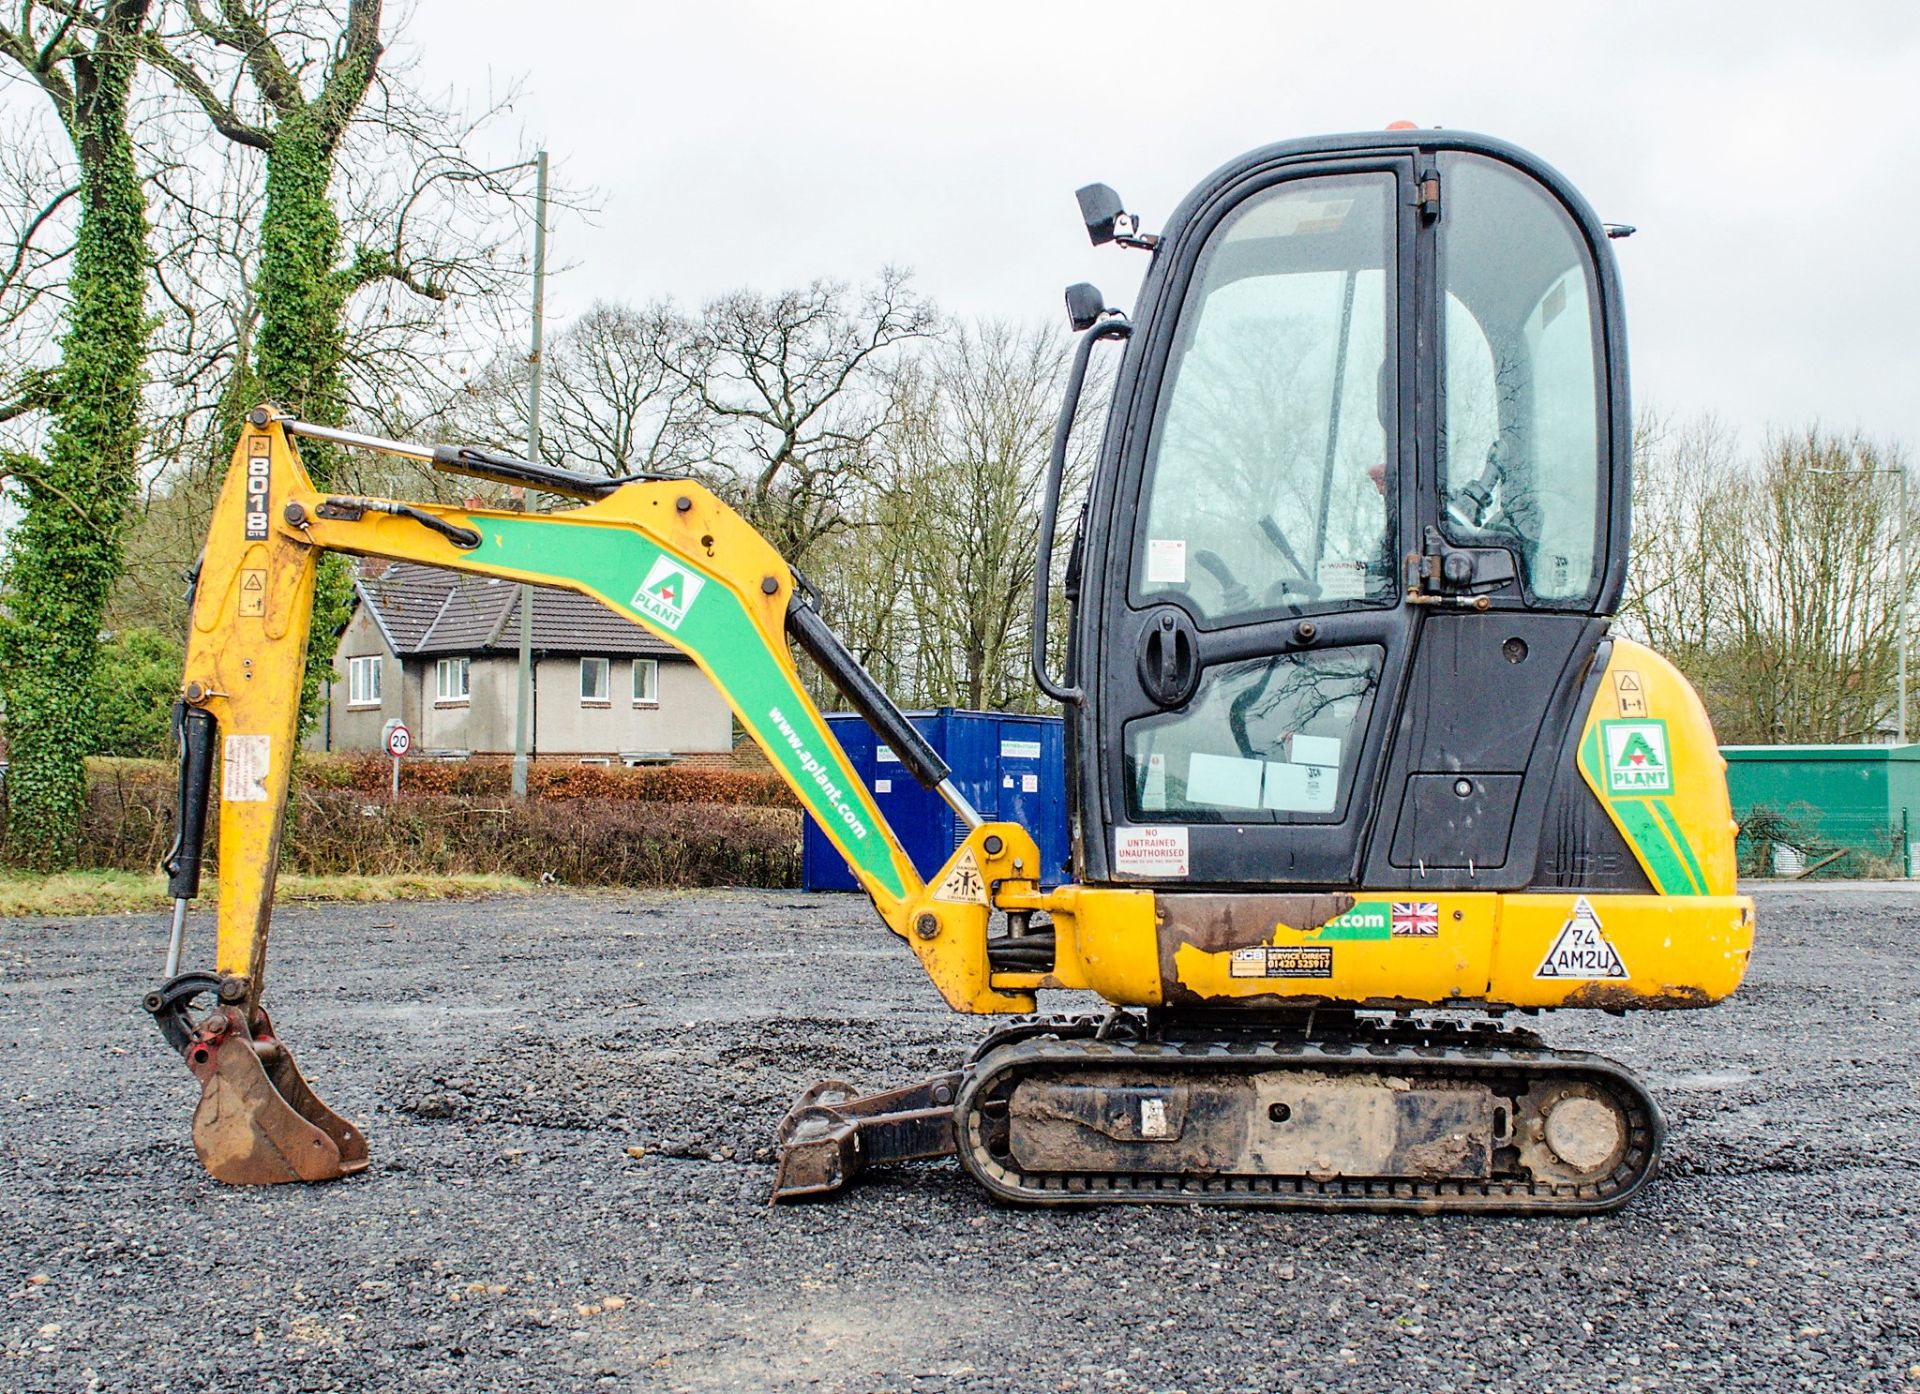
[(1012, 768)]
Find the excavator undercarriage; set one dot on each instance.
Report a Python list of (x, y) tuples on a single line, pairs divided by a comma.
[(1328, 1111)]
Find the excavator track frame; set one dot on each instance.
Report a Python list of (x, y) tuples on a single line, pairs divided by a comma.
[(1515, 1065)]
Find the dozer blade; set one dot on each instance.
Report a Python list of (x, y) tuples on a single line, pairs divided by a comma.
[(259, 1123), (830, 1135)]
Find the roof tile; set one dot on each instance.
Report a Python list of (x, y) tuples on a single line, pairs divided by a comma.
[(426, 610)]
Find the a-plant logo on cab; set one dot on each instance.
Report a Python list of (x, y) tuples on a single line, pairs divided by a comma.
[(668, 592), (1637, 760)]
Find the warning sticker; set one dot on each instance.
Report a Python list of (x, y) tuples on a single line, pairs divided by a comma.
[(1150, 851), (1582, 950), (1342, 580), (1153, 1118), (1281, 961), (1636, 756), (253, 591), (1154, 796), (1630, 693), (963, 885), (1166, 561), (243, 768)]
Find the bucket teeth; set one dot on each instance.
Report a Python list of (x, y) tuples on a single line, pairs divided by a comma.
[(259, 1123)]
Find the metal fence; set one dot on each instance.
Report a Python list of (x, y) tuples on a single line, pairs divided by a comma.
[(1803, 841)]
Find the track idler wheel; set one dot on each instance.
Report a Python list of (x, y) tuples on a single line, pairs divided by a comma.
[(258, 1123)]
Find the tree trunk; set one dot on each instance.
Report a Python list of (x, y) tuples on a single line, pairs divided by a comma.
[(66, 553), (302, 344)]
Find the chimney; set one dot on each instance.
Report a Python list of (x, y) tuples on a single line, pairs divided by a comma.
[(373, 568)]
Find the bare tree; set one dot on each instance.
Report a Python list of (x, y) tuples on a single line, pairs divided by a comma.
[(968, 465), (1774, 584), (1676, 597), (609, 400), (1813, 593), (39, 195), (797, 388)]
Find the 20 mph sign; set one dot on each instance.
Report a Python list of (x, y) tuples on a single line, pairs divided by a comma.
[(399, 739)]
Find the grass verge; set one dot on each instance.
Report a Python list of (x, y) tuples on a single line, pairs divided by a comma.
[(124, 892)]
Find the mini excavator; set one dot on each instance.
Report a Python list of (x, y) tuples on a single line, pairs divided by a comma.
[(1356, 769)]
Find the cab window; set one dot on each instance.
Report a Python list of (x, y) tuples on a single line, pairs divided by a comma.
[(1267, 482), (1520, 446), (1266, 740)]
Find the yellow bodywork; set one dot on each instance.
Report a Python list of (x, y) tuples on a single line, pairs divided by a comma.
[(1686, 946)]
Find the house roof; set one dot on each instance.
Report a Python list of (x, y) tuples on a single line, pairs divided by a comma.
[(424, 610)]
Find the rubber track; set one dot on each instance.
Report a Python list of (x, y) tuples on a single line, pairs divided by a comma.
[(1444, 1052)]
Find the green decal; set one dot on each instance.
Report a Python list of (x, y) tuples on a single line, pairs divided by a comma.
[(1672, 825), (1643, 829), (1369, 919), (1636, 815), (637, 578), (1637, 757)]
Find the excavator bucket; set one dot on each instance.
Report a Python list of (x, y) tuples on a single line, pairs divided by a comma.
[(259, 1123)]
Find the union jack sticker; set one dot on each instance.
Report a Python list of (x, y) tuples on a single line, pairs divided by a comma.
[(1415, 919)]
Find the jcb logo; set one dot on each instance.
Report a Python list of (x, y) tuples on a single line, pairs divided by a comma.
[(259, 484)]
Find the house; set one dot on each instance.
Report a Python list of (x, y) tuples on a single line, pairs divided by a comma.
[(440, 651)]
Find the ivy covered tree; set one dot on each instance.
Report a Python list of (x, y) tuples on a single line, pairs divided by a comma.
[(75, 493), (303, 98), (290, 81)]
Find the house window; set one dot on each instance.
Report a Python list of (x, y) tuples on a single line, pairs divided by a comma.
[(596, 681), (363, 681), (646, 682), (450, 679)]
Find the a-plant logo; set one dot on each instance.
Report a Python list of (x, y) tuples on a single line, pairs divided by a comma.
[(668, 592), (1637, 758)]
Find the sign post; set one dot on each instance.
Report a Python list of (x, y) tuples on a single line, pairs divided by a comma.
[(398, 742)]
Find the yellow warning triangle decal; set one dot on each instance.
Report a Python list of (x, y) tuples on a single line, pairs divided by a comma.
[(963, 884)]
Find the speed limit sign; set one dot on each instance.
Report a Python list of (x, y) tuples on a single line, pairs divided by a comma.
[(399, 740)]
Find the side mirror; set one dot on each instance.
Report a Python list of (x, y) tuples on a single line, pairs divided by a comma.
[(1100, 209), (1085, 305)]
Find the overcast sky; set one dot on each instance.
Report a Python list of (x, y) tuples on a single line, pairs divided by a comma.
[(1768, 153)]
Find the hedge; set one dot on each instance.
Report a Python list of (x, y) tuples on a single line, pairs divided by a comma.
[(574, 837)]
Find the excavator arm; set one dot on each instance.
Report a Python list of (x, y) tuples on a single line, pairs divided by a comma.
[(666, 554)]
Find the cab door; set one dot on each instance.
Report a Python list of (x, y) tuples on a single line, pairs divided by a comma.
[(1352, 535), (1254, 631)]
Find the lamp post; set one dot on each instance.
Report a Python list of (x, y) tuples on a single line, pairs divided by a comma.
[(1906, 575), (523, 707)]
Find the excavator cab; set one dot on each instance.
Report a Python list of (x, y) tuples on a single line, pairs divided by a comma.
[(1359, 520)]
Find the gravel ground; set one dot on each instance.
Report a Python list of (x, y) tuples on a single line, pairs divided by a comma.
[(504, 1055)]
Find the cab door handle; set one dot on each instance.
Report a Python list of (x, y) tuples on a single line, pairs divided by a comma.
[(1170, 658)]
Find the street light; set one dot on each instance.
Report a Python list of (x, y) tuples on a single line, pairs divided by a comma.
[(1906, 575)]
